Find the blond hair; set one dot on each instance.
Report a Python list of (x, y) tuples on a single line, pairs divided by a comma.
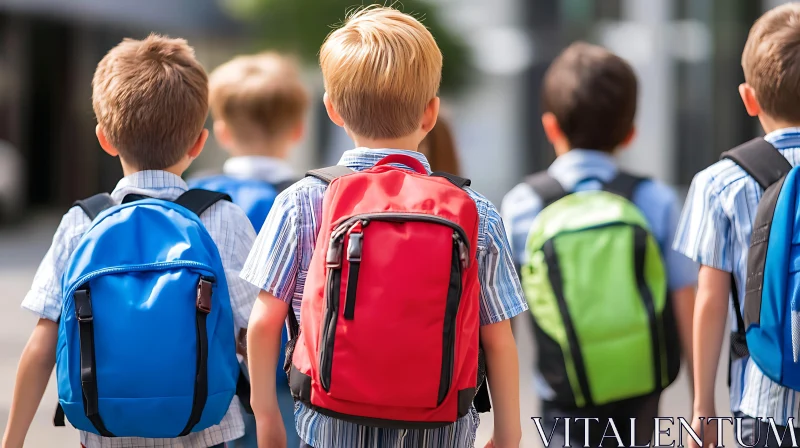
[(381, 69), (258, 96), (771, 61), (150, 98)]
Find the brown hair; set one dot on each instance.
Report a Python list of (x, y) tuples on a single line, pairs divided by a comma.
[(150, 98), (258, 95), (381, 69), (771, 61), (592, 93), (439, 147)]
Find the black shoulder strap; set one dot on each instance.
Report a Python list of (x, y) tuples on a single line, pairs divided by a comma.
[(330, 173), (95, 205), (459, 182), (761, 161), (199, 201), (624, 184), (546, 187)]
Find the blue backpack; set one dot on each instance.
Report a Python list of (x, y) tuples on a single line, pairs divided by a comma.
[(769, 329), (256, 198), (146, 344)]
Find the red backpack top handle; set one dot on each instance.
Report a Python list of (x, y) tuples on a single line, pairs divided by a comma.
[(403, 159)]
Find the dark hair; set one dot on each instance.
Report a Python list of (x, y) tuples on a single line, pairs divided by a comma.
[(771, 61), (439, 147), (592, 93)]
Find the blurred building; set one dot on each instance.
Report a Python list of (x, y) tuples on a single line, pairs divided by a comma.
[(686, 53)]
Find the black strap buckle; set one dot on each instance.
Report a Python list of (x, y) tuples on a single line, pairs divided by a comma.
[(204, 296), (83, 306)]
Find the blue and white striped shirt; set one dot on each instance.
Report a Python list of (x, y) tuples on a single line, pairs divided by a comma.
[(715, 231), (279, 264)]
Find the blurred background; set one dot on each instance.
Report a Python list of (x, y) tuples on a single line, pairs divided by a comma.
[(686, 53)]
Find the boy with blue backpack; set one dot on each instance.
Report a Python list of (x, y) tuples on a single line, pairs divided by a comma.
[(258, 103), (139, 296), (739, 223), (592, 243)]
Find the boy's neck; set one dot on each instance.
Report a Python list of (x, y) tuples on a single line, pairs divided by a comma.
[(770, 124), (409, 143), (177, 169), (274, 149)]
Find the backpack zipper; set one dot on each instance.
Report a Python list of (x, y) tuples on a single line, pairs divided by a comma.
[(158, 266)]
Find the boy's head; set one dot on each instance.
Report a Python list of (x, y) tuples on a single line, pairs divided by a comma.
[(151, 100), (258, 103), (589, 99), (382, 71), (771, 63)]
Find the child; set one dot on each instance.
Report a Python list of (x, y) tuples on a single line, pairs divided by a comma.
[(387, 104), (151, 101), (258, 103), (589, 100), (716, 226)]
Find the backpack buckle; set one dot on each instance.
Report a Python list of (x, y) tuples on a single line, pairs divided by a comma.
[(354, 247), (333, 259), (204, 296), (83, 306)]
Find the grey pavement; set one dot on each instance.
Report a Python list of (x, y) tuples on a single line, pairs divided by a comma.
[(21, 250)]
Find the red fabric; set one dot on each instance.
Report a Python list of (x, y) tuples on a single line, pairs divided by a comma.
[(387, 360)]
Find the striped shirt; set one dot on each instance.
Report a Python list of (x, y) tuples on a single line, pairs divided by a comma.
[(279, 264), (231, 231), (715, 231), (580, 170)]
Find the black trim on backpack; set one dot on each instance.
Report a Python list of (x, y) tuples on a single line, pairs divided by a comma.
[(546, 187), (639, 257), (330, 173), (482, 401), (198, 201), (460, 182), (203, 308), (556, 282), (58, 417), (767, 166), (83, 313), (95, 205), (623, 184), (760, 160)]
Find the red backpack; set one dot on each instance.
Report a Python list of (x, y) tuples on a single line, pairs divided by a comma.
[(389, 316)]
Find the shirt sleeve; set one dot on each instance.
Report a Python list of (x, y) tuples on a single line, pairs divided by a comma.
[(703, 231), (501, 293), (681, 270), (519, 209), (46, 296), (242, 294), (273, 262)]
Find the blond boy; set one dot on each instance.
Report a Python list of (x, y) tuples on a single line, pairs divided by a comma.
[(382, 71)]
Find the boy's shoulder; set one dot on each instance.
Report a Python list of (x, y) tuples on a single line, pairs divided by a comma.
[(719, 178)]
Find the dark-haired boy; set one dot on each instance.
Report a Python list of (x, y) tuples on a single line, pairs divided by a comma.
[(589, 99)]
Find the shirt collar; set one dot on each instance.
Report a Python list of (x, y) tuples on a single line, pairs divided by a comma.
[(267, 169), (784, 138), (365, 158), (578, 165), (154, 183)]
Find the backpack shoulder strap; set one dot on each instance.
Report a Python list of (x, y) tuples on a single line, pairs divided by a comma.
[(199, 201), (624, 184), (460, 182), (330, 173), (95, 205), (546, 187), (760, 160)]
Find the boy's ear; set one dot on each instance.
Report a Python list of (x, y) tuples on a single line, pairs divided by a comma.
[(104, 143), (332, 114), (552, 130), (222, 134), (430, 115), (298, 131), (629, 138), (198, 145), (748, 94)]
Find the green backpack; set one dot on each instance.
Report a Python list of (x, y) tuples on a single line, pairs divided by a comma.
[(597, 290)]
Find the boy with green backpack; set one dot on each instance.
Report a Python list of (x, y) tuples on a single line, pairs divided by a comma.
[(593, 247)]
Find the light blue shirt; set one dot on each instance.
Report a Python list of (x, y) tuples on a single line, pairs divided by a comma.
[(580, 170), (279, 264), (715, 231)]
